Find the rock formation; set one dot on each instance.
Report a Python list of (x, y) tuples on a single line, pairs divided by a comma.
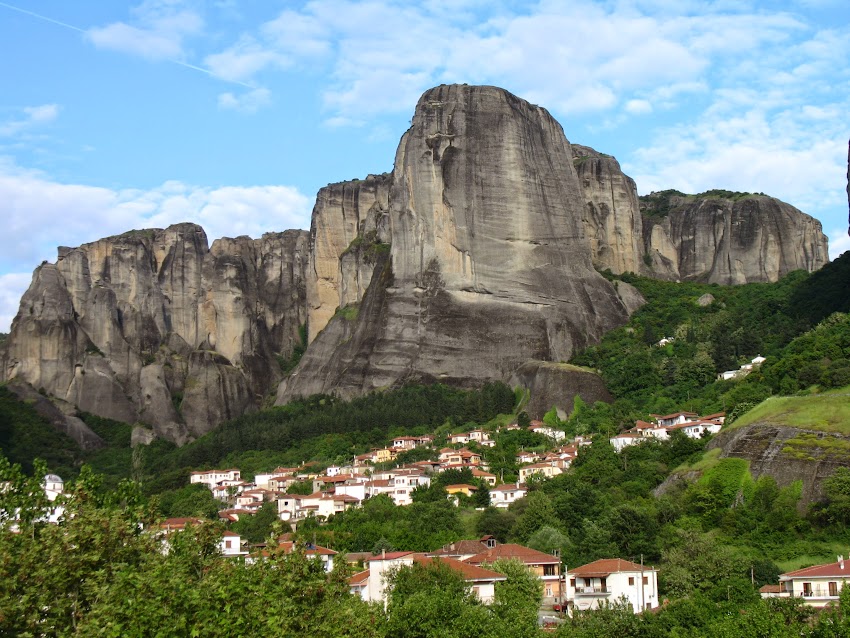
[(716, 237), (476, 259), (728, 238), (154, 326), (486, 264)]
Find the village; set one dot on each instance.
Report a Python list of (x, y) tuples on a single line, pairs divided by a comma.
[(565, 589)]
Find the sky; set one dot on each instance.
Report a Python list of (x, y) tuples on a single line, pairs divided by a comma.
[(233, 113)]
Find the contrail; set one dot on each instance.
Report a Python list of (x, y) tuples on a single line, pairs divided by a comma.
[(79, 30)]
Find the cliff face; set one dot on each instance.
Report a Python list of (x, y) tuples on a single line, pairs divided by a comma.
[(154, 326), (488, 264), (611, 213), (731, 239), (474, 260), (717, 237)]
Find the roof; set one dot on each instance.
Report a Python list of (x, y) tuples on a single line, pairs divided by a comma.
[(309, 548), (511, 550), (675, 414), (468, 571), (771, 589), (461, 548), (390, 556), (606, 566), (179, 523), (839, 569), (360, 578), (507, 487)]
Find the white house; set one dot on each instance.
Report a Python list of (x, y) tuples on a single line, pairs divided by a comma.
[(607, 580), (53, 486), (231, 544), (539, 428), (372, 584), (214, 477), (624, 440), (505, 494), (817, 586)]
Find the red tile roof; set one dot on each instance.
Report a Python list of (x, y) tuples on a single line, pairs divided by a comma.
[(821, 571), (606, 566), (510, 550), (467, 570), (389, 556), (360, 578), (309, 549)]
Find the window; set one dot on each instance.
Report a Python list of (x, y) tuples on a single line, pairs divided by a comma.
[(646, 580), (549, 591), (228, 545), (572, 582), (631, 580), (807, 589), (833, 589), (549, 570)]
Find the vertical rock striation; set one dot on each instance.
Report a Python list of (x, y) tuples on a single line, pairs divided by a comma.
[(154, 326), (487, 266)]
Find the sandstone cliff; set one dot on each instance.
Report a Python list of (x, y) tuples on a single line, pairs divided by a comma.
[(488, 265), (728, 238), (716, 237), (154, 326), (474, 260)]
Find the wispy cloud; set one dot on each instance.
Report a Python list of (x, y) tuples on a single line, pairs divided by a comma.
[(32, 116), (248, 102), (158, 32), (30, 202)]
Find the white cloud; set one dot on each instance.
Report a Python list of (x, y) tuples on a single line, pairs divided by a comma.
[(30, 204), (249, 102), (159, 34), (34, 115), (839, 242), (12, 288), (243, 60), (638, 107)]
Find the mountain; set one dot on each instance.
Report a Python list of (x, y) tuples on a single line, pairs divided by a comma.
[(476, 259)]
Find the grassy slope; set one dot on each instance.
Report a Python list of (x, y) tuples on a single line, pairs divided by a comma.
[(825, 412)]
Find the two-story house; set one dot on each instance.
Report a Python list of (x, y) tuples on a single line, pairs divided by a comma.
[(607, 580)]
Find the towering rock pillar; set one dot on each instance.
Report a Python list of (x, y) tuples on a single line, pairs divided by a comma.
[(488, 263)]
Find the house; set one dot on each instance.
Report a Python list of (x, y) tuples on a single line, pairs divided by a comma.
[(817, 586), (505, 494), (624, 440), (607, 580), (461, 488), (545, 470), (478, 436), (405, 442), (461, 438), (674, 419), (311, 550), (371, 584), (53, 486), (539, 428), (481, 475), (214, 477), (545, 566), (465, 549), (231, 544)]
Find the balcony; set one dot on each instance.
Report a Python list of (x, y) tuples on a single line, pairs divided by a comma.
[(596, 590)]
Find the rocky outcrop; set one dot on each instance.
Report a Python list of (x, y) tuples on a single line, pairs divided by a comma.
[(59, 415), (787, 454), (611, 213), (347, 218), (557, 385), (155, 326), (717, 237), (728, 238), (487, 266)]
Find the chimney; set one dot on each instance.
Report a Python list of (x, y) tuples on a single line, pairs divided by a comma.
[(840, 562)]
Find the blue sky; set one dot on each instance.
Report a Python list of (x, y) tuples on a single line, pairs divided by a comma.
[(232, 113)]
